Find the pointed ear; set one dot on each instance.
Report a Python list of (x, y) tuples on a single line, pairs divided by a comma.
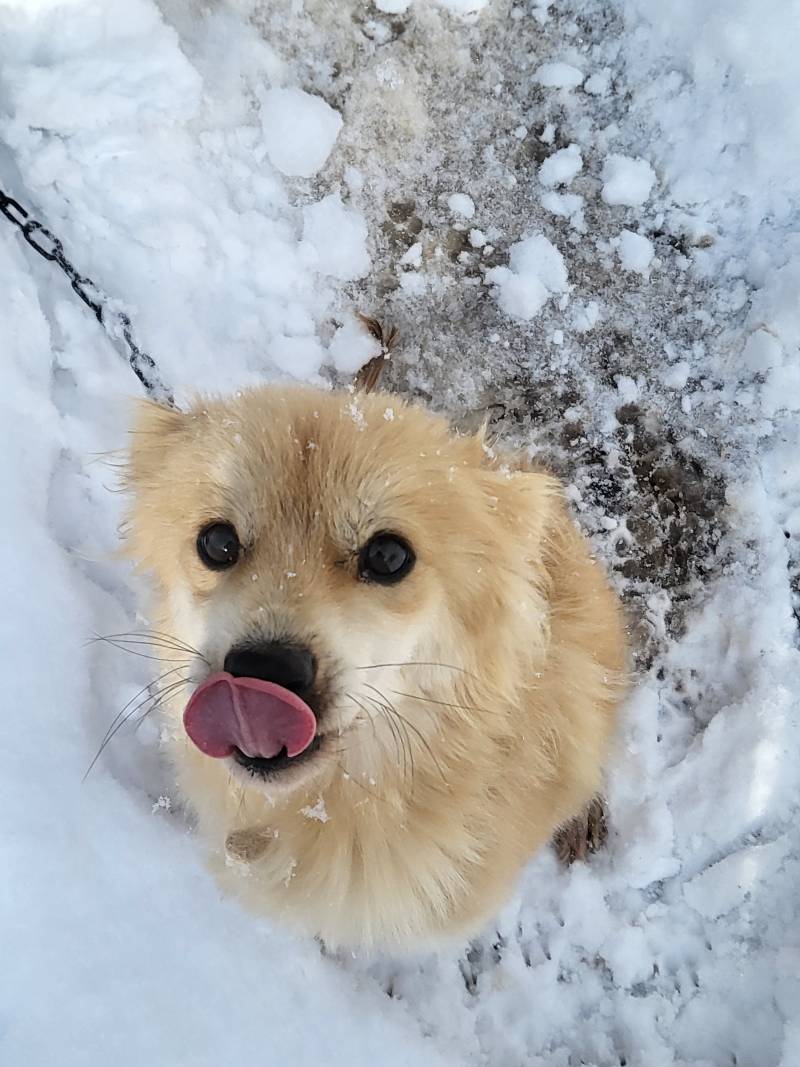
[(489, 454), (483, 435), (472, 423), (527, 495), (155, 431)]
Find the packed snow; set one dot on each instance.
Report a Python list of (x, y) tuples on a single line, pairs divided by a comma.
[(335, 239), (299, 130), (635, 251), (561, 167), (392, 7), (461, 204), (535, 272), (627, 181), (242, 178), (559, 76), (352, 346)]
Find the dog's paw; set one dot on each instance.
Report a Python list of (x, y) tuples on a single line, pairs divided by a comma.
[(245, 846), (584, 834)]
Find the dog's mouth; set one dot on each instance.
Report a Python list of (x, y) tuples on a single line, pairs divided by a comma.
[(262, 726), (267, 767)]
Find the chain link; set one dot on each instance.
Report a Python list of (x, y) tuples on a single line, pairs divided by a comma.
[(116, 323)]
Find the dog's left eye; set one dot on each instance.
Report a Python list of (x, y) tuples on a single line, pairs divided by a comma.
[(385, 559), (218, 545)]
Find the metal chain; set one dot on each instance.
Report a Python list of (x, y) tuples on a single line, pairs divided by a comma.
[(49, 247)]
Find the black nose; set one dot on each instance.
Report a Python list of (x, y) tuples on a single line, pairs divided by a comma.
[(290, 665)]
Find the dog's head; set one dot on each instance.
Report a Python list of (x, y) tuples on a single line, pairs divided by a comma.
[(326, 556)]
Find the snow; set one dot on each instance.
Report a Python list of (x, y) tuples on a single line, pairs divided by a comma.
[(762, 352), (335, 239), (299, 357), (149, 138), (413, 257), (547, 136), (635, 252), (627, 181), (585, 317), (598, 83), (561, 167), (558, 76), (733, 880), (392, 7), (352, 346), (461, 204), (318, 811), (464, 8), (565, 205), (536, 271), (747, 134), (299, 130), (677, 375), (628, 388)]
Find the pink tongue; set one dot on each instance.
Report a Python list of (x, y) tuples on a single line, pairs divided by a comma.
[(259, 718)]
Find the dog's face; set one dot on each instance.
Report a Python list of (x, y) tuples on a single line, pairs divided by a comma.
[(348, 549)]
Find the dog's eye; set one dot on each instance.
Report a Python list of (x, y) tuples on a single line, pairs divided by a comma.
[(218, 545), (386, 559)]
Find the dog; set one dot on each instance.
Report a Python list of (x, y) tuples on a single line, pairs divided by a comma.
[(405, 666)]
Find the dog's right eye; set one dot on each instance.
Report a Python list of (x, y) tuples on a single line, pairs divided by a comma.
[(218, 545), (386, 559)]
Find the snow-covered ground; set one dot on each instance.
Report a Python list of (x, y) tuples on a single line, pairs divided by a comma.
[(584, 218)]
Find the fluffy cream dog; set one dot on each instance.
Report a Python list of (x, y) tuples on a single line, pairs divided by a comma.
[(406, 666)]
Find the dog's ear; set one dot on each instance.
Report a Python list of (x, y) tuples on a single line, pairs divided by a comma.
[(524, 495), (155, 439), (488, 453), (156, 429)]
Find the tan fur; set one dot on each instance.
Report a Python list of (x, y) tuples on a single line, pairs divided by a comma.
[(503, 652)]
